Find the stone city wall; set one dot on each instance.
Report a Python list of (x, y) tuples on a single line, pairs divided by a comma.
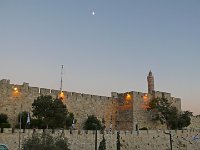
[(123, 116), (142, 140), (142, 117), (176, 102), (195, 122), (80, 104), (132, 111)]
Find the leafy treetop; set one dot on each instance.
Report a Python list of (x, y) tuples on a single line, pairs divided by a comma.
[(162, 111), (92, 123), (51, 111)]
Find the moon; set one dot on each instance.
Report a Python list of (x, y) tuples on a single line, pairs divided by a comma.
[(93, 13)]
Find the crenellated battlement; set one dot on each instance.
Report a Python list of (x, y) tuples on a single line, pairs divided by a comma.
[(114, 132), (126, 112), (80, 104), (26, 89), (123, 110), (138, 140), (197, 116)]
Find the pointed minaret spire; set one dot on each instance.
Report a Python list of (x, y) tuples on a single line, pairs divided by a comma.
[(150, 73), (150, 80)]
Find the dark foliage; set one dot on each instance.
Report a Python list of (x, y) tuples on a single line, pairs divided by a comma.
[(118, 141), (37, 123), (143, 128), (51, 111), (45, 142), (3, 118), (184, 119), (92, 123), (4, 121), (102, 145), (165, 113), (5, 125)]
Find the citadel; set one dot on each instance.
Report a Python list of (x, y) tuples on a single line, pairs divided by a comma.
[(125, 111)]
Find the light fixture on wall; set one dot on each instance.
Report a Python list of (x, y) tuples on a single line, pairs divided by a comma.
[(15, 91), (61, 95), (128, 96)]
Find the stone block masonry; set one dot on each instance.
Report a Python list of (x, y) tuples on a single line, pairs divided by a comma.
[(142, 140), (125, 111), (80, 104)]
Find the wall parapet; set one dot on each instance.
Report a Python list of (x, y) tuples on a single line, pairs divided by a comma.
[(26, 89), (76, 132)]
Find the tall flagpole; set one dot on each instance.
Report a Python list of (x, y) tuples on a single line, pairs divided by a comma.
[(61, 80)]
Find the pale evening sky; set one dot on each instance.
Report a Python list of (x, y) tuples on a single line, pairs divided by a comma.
[(112, 50)]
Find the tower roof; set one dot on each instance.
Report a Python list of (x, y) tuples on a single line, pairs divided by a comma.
[(150, 73)]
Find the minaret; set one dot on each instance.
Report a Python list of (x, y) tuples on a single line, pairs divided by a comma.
[(150, 80)]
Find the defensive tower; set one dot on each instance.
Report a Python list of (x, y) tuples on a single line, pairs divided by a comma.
[(150, 80)]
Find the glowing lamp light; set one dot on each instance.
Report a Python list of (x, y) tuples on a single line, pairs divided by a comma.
[(15, 91), (128, 96), (61, 95), (145, 97)]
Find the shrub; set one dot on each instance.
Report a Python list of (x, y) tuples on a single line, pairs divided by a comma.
[(143, 128), (4, 125), (92, 123), (45, 142), (102, 145), (3, 118), (4, 121), (37, 123), (118, 141)]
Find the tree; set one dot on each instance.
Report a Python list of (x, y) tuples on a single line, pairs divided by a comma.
[(4, 121), (59, 113), (184, 119), (172, 116), (159, 108), (45, 142), (102, 145), (118, 141), (162, 111), (51, 111), (37, 123), (92, 123), (3, 118)]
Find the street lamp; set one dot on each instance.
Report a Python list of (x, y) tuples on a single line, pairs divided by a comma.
[(15, 91), (61, 95), (170, 138), (16, 94)]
